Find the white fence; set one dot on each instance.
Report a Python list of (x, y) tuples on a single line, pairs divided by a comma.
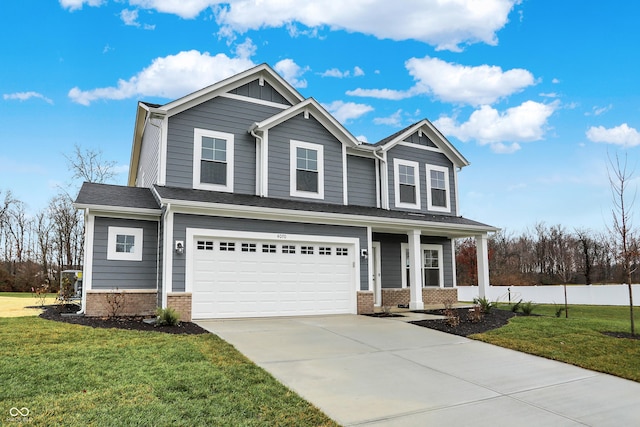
[(554, 294)]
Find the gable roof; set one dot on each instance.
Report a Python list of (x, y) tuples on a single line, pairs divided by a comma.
[(313, 107), (434, 135), (117, 198)]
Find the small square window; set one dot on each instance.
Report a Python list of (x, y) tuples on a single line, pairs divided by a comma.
[(288, 249), (124, 244), (322, 250), (342, 251), (227, 246), (204, 245), (248, 247), (268, 249), (306, 250)]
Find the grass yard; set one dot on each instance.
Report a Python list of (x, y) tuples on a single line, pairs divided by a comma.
[(74, 375), (13, 304), (577, 340)]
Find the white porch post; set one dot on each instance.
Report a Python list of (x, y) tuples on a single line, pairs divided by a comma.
[(482, 253), (415, 271)]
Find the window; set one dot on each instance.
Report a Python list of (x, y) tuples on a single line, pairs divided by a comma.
[(324, 250), (248, 247), (213, 160), (342, 251), (306, 250), (438, 185), (204, 245), (268, 249), (407, 184), (288, 249), (431, 263), (307, 170), (227, 246), (124, 244)]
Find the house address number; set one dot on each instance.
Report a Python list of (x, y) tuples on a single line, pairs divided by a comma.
[(281, 236)]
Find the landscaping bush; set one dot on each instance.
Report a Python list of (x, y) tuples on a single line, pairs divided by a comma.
[(167, 317), (485, 304), (527, 308)]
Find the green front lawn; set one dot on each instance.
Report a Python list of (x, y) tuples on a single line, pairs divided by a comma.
[(50, 297), (77, 376), (577, 340)]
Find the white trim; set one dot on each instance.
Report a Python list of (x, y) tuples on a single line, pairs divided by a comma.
[(420, 147), (377, 270), (192, 233), (198, 134), (425, 246), (396, 183), (345, 188), (369, 258), (455, 190), (87, 273), (454, 275), (254, 100), (138, 236), (293, 191), (265, 163), (430, 206), (162, 155), (167, 255)]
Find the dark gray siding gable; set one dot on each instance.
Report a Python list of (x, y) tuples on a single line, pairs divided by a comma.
[(222, 115), (361, 181), (182, 222), (306, 130), (424, 158), (266, 92), (111, 274), (415, 138)]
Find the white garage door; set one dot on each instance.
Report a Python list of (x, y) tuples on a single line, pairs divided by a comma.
[(259, 278)]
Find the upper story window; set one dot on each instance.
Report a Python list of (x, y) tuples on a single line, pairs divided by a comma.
[(438, 185), (124, 244), (307, 170), (213, 160), (407, 184)]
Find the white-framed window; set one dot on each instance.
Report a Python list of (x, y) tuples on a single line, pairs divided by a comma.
[(213, 160), (306, 170), (124, 244), (431, 263), (438, 188), (406, 183)]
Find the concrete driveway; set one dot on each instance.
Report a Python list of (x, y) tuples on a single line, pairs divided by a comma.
[(381, 372)]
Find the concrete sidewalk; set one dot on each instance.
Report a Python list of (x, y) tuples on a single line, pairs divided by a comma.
[(379, 372)]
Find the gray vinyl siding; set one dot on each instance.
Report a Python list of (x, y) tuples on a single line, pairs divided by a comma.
[(420, 140), (306, 130), (423, 157), (148, 164), (112, 274), (391, 262), (182, 222), (266, 92), (222, 115), (361, 181)]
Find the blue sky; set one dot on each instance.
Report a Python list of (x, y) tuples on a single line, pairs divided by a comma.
[(535, 94)]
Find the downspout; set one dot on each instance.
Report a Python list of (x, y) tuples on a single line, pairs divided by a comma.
[(259, 162), (384, 196)]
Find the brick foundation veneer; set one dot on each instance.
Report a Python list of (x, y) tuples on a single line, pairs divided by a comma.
[(365, 302), (430, 296), (131, 302), (181, 303)]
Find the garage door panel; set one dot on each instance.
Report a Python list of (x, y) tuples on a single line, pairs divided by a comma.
[(235, 278)]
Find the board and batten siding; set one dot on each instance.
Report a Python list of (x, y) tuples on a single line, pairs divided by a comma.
[(183, 221), (264, 92), (361, 181), (222, 115), (306, 130), (114, 274), (148, 165), (391, 262), (424, 158)]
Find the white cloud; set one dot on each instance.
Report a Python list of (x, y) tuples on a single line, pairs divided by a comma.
[(130, 17), (345, 111), (393, 120), (24, 96), (597, 111), (77, 4), (171, 76), (187, 9), (444, 24), (357, 71), (246, 49), (449, 82), (335, 72), (503, 132), (291, 72), (620, 135)]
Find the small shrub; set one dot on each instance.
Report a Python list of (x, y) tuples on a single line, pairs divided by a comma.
[(475, 314), (40, 293), (559, 311), (515, 307), (167, 317), (527, 308), (484, 304), (114, 302)]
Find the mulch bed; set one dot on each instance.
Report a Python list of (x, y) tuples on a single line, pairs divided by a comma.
[(622, 335), (56, 313), (493, 320)]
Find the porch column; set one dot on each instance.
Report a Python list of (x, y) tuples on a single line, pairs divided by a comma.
[(482, 253), (415, 271)]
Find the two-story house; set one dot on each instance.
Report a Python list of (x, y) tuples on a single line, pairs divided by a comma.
[(245, 199)]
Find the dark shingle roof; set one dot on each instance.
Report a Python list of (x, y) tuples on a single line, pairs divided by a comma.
[(116, 196), (204, 196), (395, 135)]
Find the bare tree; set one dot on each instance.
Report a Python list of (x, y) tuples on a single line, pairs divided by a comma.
[(622, 228), (88, 165)]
